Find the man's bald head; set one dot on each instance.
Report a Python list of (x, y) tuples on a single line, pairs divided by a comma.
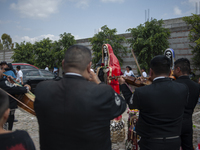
[(77, 57)]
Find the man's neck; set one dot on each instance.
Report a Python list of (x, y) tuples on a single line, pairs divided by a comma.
[(2, 131)]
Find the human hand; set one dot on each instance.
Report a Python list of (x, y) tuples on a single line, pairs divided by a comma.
[(94, 78), (29, 87), (121, 80)]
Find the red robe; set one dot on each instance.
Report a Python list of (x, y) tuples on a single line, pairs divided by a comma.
[(114, 70), (114, 67)]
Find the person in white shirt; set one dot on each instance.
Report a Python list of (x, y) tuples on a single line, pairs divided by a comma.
[(19, 75), (47, 68), (129, 71), (144, 74)]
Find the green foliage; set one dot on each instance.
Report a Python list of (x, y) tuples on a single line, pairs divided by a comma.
[(148, 40), (66, 40), (6, 41), (44, 52), (194, 36), (23, 52), (108, 36)]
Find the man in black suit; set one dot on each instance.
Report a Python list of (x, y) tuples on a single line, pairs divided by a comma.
[(181, 72), (12, 89), (75, 112), (161, 107)]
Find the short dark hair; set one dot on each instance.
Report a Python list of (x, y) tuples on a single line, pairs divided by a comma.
[(129, 67), (18, 67), (184, 65), (77, 57), (4, 103), (3, 62), (160, 64)]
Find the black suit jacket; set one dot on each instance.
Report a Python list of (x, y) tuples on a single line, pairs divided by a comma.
[(74, 113), (13, 90), (161, 107), (193, 95)]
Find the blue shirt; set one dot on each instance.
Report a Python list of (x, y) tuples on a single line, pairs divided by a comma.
[(10, 73)]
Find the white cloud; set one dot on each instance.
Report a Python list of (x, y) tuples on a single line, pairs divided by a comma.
[(177, 11), (164, 15), (34, 39), (36, 8), (113, 1), (81, 3)]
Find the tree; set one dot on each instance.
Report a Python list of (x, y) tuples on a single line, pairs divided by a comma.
[(7, 41), (23, 52), (108, 36), (194, 36), (148, 40), (43, 53), (66, 40)]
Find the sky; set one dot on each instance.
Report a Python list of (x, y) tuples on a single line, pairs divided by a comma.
[(33, 20)]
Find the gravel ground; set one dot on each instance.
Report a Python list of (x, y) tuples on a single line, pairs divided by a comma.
[(29, 123)]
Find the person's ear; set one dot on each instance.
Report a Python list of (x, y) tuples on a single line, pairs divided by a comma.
[(151, 72), (89, 67), (178, 69), (6, 115)]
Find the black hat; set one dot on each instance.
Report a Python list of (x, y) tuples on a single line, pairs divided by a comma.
[(3, 62)]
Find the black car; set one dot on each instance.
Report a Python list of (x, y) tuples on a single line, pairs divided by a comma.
[(32, 77)]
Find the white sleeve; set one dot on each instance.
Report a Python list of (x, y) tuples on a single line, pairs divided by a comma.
[(125, 73), (144, 74), (20, 74)]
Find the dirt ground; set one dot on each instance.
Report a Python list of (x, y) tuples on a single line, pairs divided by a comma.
[(29, 123)]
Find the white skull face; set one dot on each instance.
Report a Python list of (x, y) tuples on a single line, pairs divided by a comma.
[(168, 54), (105, 49)]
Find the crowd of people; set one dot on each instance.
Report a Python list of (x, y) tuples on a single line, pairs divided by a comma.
[(75, 111)]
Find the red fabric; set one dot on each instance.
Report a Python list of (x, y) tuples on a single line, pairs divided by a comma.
[(114, 70)]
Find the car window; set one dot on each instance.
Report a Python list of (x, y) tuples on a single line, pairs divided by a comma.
[(32, 73), (47, 73), (29, 67), (22, 67)]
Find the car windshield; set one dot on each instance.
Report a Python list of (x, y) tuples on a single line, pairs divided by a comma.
[(47, 73), (31, 73)]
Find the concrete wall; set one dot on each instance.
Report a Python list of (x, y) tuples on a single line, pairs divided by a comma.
[(178, 40), (5, 55)]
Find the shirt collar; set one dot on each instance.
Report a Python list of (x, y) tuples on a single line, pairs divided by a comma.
[(161, 77), (71, 73)]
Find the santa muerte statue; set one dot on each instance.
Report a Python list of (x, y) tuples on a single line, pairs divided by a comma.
[(110, 67), (169, 53)]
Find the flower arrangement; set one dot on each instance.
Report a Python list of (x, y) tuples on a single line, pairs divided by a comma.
[(103, 66)]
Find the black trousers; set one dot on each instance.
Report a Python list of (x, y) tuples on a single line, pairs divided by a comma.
[(159, 144), (187, 134), (11, 119)]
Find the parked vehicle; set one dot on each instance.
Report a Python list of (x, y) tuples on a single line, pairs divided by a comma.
[(24, 66), (35, 76)]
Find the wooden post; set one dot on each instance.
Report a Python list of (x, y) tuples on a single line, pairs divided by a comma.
[(136, 62)]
